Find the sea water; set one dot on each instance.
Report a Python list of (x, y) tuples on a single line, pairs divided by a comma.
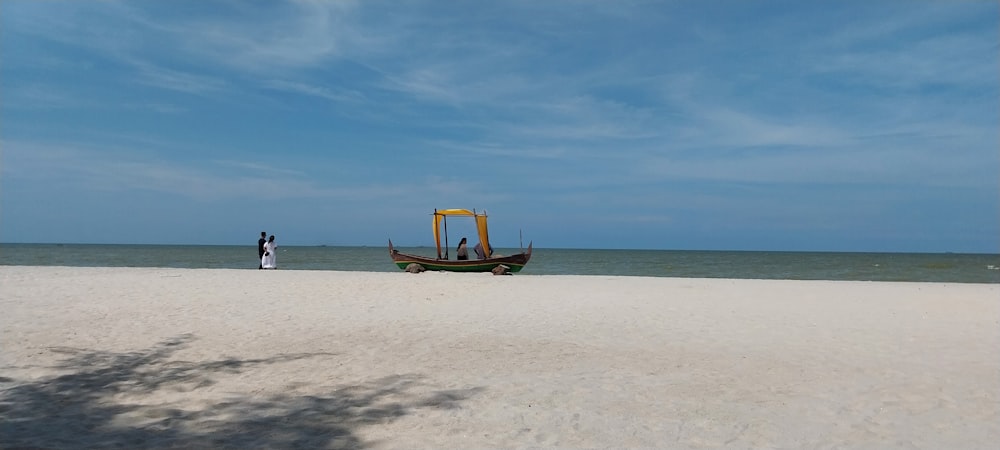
[(925, 267)]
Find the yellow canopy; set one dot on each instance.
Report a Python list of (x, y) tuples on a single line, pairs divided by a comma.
[(484, 235)]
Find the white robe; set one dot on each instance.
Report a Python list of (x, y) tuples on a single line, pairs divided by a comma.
[(270, 259)]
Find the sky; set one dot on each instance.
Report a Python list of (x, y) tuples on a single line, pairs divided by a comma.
[(690, 125)]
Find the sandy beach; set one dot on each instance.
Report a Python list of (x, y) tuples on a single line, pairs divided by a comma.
[(206, 358)]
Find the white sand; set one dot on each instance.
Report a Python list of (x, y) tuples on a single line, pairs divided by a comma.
[(104, 357)]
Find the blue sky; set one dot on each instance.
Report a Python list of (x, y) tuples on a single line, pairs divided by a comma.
[(723, 125)]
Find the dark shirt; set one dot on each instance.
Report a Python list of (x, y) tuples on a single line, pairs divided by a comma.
[(260, 247)]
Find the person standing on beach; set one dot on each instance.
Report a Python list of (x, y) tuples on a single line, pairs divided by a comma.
[(270, 259), (260, 248)]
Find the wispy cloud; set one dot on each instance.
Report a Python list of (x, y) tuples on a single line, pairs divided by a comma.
[(332, 94), (275, 37), (955, 61), (126, 169), (883, 164), (502, 149), (37, 96), (177, 80), (724, 128), (931, 46), (107, 170)]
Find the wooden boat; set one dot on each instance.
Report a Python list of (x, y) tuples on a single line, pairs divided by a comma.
[(514, 263)]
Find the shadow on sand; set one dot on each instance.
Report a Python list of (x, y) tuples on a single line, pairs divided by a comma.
[(84, 408)]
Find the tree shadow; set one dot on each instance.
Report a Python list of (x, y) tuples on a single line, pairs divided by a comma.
[(84, 409)]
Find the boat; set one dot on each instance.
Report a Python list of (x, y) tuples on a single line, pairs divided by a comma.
[(513, 263)]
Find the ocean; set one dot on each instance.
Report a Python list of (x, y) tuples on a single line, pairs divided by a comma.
[(921, 267)]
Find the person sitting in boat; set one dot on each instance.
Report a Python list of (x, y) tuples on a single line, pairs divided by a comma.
[(463, 251), (479, 251)]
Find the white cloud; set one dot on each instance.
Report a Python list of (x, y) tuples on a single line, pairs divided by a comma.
[(274, 37), (115, 170), (912, 49), (721, 127), (503, 149), (872, 164), (332, 94), (38, 96), (967, 61), (177, 80)]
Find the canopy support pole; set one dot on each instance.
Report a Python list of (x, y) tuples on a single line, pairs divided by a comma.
[(446, 244)]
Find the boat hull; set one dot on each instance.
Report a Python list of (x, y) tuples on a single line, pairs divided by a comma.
[(514, 262)]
